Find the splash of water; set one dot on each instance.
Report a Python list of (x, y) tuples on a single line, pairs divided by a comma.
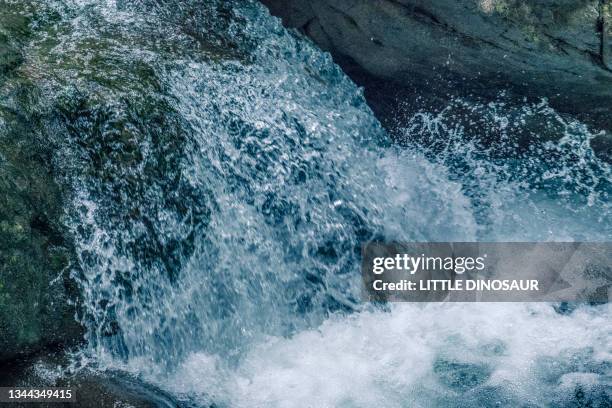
[(529, 173)]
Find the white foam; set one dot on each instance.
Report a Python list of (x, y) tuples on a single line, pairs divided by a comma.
[(387, 359)]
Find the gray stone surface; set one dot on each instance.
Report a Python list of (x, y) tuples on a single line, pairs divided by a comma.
[(537, 48)]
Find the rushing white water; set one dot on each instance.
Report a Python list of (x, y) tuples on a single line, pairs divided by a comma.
[(457, 355), (226, 173)]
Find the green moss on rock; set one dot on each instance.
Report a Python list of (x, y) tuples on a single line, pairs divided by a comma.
[(35, 253)]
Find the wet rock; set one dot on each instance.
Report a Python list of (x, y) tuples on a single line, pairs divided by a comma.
[(95, 389), (401, 48), (80, 113), (602, 145), (37, 295), (460, 376)]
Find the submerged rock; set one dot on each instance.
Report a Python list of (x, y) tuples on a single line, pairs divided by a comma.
[(555, 48), (460, 376)]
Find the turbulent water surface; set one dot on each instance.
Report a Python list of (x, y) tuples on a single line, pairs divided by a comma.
[(225, 173)]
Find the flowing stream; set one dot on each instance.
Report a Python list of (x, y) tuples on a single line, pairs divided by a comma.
[(225, 173)]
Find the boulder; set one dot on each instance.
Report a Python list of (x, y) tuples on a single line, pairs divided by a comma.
[(37, 295), (558, 49)]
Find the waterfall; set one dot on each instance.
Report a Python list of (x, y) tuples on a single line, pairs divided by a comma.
[(225, 173)]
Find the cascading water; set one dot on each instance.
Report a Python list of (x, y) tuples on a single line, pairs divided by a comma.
[(530, 173), (225, 173)]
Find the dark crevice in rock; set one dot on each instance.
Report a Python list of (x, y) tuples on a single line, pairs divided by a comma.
[(419, 13), (605, 13)]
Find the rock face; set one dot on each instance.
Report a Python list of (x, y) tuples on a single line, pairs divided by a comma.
[(36, 293), (557, 49)]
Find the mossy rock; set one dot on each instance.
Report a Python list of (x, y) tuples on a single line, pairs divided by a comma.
[(35, 254), (37, 296), (78, 110)]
